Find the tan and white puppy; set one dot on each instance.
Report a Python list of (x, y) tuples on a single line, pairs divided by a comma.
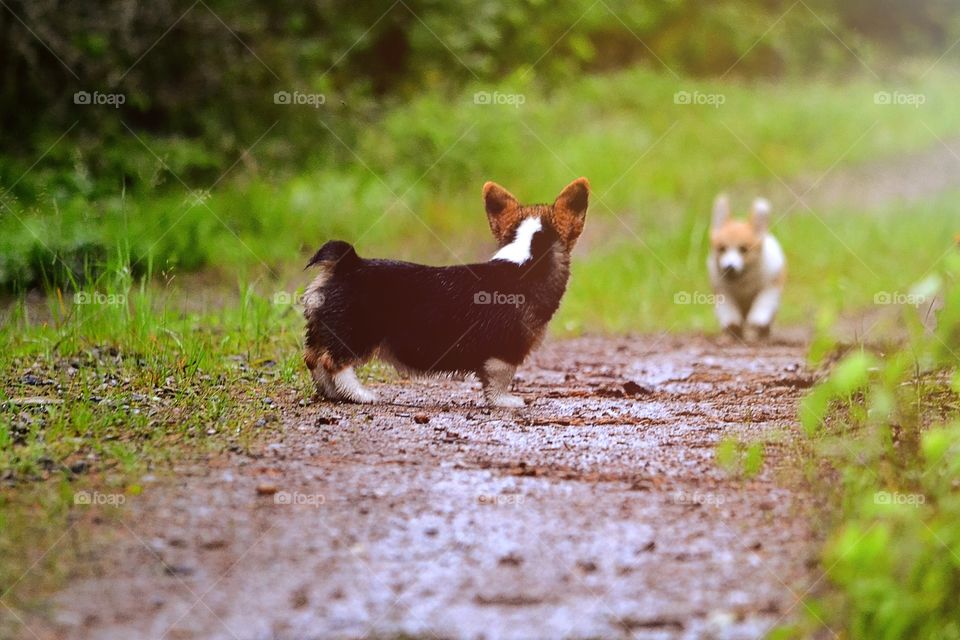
[(747, 269)]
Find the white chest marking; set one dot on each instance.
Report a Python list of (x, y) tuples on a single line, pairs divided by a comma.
[(519, 251)]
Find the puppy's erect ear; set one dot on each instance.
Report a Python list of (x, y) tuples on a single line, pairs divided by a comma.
[(503, 210), (721, 210), (570, 211), (760, 215)]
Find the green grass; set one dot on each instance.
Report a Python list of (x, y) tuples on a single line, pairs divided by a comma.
[(882, 453), (132, 375)]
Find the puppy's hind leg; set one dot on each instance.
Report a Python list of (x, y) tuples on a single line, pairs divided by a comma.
[(496, 377), (322, 380), (349, 388), (335, 382), (324, 383)]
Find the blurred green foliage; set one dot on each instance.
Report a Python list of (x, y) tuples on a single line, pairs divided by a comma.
[(209, 69), (885, 428), (412, 191)]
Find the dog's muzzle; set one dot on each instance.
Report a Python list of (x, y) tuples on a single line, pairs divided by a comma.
[(730, 273)]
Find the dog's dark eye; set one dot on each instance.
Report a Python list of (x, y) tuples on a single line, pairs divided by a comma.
[(743, 248), (722, 248)]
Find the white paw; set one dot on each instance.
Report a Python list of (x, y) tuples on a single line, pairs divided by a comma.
[(363, 396), (508, 401)]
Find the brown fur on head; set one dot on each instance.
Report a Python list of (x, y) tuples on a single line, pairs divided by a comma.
[(567, 213), (731, 238)]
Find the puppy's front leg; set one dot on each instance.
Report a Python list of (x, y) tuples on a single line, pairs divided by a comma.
[(496, 377), (763, 310), (729, 316)]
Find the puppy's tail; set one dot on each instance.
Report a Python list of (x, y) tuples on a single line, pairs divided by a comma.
[(340, 253)]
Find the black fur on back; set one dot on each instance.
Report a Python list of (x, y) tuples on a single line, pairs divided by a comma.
[(436, 319)]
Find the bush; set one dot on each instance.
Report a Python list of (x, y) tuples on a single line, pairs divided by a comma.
[(888, 426), (210, 70)]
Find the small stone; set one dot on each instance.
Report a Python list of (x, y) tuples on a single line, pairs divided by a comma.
[(178, 570), (421, 418), (632, 388), (216, 543), (510, 560), (299, 599), (587, 566), (266, 489), (268, 401)]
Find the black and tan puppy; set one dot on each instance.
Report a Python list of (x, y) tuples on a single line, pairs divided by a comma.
[(480, 318)]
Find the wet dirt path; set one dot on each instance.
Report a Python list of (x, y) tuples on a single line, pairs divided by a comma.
[(597, 512)]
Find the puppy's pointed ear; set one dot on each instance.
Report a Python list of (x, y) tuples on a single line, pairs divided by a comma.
[(502, 210), (721, 210), (570, 211), (760, 215)]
